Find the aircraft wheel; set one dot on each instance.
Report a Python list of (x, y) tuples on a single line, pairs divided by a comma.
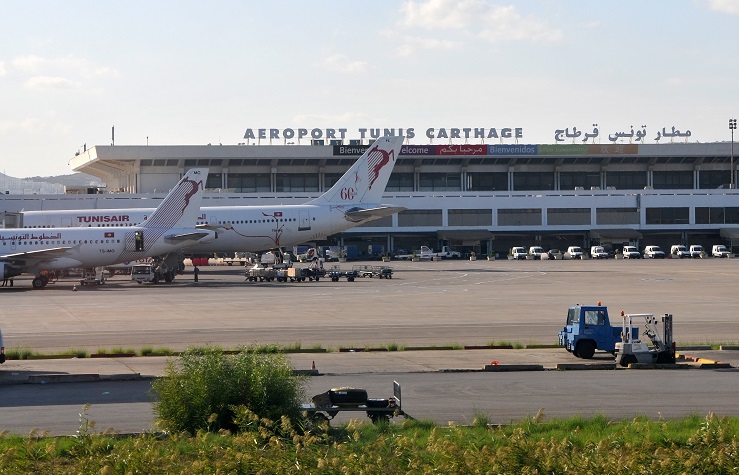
[(39, 282)]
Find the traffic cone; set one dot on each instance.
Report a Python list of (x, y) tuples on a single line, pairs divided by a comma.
[(313, 366)]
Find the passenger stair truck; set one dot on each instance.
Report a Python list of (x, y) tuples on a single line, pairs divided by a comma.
[(588, 329), (633, 350)]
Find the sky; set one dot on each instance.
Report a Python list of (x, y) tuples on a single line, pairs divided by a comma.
[(185, 72)]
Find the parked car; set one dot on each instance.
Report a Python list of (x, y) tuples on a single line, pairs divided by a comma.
[(573, 252), (518, 252), (719, 250), (535, 252), (631, 252), (697, 251), (653, 252), (598, 252), (679, 251), (554, 254)]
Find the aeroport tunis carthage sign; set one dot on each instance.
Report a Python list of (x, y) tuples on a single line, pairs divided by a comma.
[(466, 133)]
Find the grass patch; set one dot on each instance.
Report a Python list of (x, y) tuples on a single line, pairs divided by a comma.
[(151, 351), (77, 352), (19, 353), (693, 444)]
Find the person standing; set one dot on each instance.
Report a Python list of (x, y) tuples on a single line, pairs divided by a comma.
[(195, 273)]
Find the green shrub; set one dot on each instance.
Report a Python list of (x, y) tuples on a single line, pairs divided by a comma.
[(201, 389)]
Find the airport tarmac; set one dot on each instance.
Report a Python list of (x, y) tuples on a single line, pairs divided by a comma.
[(447, 303)]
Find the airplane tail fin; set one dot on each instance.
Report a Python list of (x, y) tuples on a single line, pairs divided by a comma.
[(365, 181), (182, 205)]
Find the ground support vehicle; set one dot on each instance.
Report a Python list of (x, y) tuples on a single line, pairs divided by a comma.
[(588, 329), (152, 272), (259, 273), (382, 272), (662, 349), (335, 273), (327, 405), (93, 276)]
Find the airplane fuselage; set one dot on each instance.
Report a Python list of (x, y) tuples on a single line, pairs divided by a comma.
[(83, 247), (239, 228)]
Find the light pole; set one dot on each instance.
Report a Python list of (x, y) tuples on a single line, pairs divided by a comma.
[(732, 127)]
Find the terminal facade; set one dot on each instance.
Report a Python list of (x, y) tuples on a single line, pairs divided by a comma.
[(482, 198)]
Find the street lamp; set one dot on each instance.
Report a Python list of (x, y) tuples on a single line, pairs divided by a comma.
[(732, 127)]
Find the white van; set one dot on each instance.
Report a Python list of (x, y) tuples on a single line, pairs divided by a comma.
[(697, 251), (719, 250), (536, 252), (518, 253), (680, 251), (598, 252), (631, 252), (573, 252)]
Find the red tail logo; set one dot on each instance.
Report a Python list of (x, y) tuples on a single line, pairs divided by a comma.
[(376, 160)]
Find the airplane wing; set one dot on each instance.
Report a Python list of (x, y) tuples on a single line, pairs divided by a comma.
[(191, 236), (50, 253), (26, 259), (358, 214)]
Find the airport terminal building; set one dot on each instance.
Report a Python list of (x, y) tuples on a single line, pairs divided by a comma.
[(473, 197)]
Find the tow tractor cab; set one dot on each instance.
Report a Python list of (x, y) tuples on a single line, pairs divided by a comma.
[(588, 329), (633, 350)]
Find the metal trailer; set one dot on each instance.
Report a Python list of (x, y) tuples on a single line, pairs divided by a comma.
[(366, 270), (260, 274), (325, 407), (335, 273)]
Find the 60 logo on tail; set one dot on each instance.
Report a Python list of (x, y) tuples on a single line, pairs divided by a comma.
[(348, 193)]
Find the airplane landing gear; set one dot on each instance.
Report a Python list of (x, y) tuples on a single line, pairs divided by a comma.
[(40, 282)]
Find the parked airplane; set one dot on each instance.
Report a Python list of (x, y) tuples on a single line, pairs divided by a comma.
[(353, 200), (170, 227)]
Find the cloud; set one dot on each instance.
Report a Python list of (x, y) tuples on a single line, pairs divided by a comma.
[(67, 72), (50, 82), (31, 125), (340, 64), (724, 6), (469, 20), (2, 68), (479, 17)]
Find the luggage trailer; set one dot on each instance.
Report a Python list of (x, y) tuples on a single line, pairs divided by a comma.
[(327, 405)]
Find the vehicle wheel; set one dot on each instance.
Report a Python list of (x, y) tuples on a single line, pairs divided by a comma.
[(316, 278), (586, 349), (138, 282), (626, 360), (350, 279)]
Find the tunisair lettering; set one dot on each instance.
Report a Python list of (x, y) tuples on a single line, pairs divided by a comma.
[(123, 218)]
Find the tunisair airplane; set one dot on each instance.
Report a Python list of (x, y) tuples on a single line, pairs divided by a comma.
[(353, 200), (170, 227)]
